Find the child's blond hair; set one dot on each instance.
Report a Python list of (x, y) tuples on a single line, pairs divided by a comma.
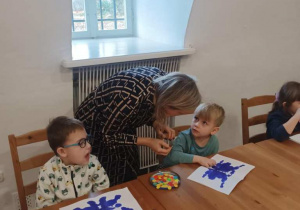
[(211, 111)]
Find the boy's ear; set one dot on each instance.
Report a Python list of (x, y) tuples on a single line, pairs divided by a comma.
[(215, 130), (61, 152)]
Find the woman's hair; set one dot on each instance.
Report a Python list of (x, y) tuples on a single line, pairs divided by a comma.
[(211, 112), (175, 91), (59, 129), (289, 93)]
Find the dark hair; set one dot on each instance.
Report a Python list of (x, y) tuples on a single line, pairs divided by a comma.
[(211, 111), (59, 129), (289, 93), (177, 91)]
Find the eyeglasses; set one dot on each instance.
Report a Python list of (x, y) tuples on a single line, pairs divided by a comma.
[(81, 143)]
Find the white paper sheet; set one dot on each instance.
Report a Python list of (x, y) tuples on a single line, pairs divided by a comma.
[(295, 138), (117, 199), (224, 176)]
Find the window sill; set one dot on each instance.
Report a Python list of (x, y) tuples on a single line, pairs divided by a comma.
[(88, 52)]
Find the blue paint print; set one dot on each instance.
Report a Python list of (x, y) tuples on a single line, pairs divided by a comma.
[(105, 205), (221, 171)]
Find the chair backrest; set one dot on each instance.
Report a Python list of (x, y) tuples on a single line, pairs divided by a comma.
[(178, 129), (255, 120), (33, 162)]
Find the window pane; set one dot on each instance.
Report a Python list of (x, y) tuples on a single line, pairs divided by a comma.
[(108, 25), (120, 7), (78, 15), (107, 9), (80, 26), (121, 24)]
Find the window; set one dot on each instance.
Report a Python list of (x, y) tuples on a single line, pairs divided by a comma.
[(101, 18)]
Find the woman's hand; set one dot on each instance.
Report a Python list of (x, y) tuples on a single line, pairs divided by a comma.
[(160, 147), (163, 131), (206, 162), (157, 145)]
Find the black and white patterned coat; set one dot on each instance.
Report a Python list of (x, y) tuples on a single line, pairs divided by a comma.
[(111, 114)]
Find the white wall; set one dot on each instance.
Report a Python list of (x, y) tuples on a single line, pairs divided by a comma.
[(244, 48), (35, 37), (162, 21)]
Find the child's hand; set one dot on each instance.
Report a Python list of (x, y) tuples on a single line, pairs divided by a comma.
[(298, 114), (206, 162), (290, 125)]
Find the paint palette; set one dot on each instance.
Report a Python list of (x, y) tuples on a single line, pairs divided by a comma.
[(165, 180)]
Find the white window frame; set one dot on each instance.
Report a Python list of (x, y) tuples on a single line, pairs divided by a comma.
[(92, 23)]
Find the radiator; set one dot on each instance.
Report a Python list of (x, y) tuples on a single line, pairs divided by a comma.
[(85, 79)]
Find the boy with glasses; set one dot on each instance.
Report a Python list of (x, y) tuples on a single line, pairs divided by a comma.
[(73, 171)]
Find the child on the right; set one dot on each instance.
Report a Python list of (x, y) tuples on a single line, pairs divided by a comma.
[(284, 118), (194, 144)]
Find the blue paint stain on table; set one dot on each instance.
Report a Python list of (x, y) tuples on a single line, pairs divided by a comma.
[(105, 205), (221, 171)]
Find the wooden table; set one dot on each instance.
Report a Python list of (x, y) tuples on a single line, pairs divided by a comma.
[(137, 189), (288, 150), (273, 184)]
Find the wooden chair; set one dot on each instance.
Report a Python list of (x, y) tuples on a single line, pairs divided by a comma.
[(255, 120), (178, 129), (33, 162)]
